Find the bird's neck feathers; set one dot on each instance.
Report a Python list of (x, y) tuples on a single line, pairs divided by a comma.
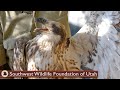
[(62, 46), (53, 41), (48, 40)]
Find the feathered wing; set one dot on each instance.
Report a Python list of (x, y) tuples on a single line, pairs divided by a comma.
[(31, 48), (85, 42), (98, 44), (108, 47), (19, 59)]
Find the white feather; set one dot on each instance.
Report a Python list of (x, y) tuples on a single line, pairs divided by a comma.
[(107, 59)]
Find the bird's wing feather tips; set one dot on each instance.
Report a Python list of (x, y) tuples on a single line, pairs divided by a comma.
[(101, 51), (19, 62), (85, 42), (108, 47)]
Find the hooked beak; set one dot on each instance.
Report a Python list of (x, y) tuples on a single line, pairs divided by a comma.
[(40, 29), (43, 22)]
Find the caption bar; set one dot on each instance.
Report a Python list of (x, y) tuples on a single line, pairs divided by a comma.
[(81, 74)]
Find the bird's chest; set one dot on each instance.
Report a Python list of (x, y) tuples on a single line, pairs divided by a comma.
[(47, 59), (43, 59)]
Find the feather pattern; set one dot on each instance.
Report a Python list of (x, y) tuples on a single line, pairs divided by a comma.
[(102, 43), (96, 45)]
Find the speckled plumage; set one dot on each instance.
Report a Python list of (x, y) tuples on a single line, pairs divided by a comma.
[(50, 50), (96, 45), (100, 40)]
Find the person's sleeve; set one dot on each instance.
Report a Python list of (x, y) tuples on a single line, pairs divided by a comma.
[(2, 50), (17, 26)]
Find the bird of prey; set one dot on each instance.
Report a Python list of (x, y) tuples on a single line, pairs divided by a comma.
[(51, 50), (96, 46)]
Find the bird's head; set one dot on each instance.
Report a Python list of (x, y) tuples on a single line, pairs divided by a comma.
[(52, 30)]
